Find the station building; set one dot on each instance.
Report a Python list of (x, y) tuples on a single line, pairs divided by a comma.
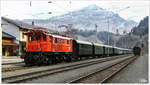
[(13, 33), (9, 47)]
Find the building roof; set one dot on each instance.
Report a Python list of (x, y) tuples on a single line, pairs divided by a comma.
[(23, 25), (6, 35), (19, 24)]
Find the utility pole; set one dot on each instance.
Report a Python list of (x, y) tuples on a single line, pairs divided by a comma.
[(73, 35), (108, 33), (30, 3), (108, 30), (70, 9), (96, 33), (108, 23), (111, 17), (117, 34)]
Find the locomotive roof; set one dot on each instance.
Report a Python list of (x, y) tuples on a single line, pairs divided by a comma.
[(83, 42), (58, 36)]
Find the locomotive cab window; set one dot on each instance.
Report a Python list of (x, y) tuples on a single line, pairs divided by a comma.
[(31, 38), (38, 37)]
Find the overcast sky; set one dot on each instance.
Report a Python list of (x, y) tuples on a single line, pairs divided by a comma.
[(39, 9)]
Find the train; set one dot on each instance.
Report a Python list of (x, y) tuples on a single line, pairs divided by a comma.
[(43, 47), (136, 51)]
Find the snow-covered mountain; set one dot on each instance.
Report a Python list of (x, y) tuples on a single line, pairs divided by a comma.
[(86, 18)]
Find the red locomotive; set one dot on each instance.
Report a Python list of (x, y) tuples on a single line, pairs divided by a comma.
[(42, 46)]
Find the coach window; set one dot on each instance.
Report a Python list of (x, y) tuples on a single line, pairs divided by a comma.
[(38, 37), (44, 37)]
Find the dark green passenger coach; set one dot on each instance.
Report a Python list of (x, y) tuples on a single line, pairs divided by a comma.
[(84, 48), (98, 49)]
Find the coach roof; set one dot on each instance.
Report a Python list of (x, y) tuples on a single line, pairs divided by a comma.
[(83, 42), (108, 46), (97, 44)]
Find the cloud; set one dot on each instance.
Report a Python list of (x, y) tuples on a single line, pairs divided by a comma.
[(39, 9)]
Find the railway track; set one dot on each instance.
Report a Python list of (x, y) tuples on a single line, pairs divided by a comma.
[(17, 66), (7, 67), (102, 75), (10, 69), (31, 75)]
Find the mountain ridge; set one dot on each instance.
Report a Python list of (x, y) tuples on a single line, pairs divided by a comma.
[(86, 18)]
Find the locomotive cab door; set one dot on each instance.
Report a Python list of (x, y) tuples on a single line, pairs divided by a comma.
[(51, 43)]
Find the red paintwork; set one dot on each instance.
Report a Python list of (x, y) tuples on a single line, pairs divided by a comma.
[(47, 46)]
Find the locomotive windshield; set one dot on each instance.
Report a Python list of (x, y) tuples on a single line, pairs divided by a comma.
[(38, 37), (34, 37), (31, 38)]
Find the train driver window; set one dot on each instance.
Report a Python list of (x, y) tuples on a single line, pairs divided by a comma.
[(44, 37), (38, 37), (31, 38)]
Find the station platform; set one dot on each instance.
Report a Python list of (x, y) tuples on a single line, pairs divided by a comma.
[(10, 59), (136, 72)]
